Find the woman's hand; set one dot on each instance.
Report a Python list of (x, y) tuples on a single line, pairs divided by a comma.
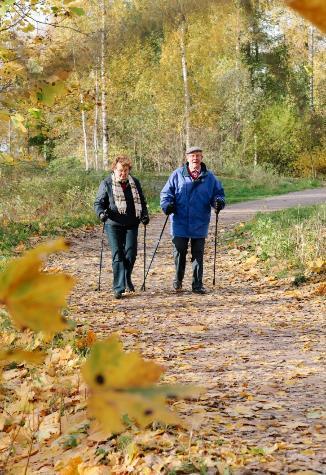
[(145, 219)]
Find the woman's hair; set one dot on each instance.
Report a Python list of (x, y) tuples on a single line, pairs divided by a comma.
[(123, 159)]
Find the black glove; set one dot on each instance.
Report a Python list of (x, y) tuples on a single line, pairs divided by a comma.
[(104, 216), (170, 209), (219, 204), (145, 219)]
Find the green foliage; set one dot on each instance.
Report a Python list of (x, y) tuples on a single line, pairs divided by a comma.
[(38, 201), (278, 130), (64, 165)]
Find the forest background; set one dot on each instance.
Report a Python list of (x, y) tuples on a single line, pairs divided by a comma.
[(84, 81)]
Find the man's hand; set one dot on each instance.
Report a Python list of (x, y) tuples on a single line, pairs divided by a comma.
[(219, 204), (104, 216), (145, 219), (170, 209)]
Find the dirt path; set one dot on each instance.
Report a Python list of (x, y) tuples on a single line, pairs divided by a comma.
[(254, 343), (244, 211)]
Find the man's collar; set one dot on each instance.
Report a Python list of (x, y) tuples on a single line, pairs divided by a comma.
[(203, 169)]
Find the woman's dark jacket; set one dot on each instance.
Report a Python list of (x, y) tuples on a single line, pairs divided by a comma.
[(105, 201)]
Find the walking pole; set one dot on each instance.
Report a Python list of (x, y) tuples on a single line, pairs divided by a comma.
[(158, 243), (101, 260), (143, 287), (216, 221)]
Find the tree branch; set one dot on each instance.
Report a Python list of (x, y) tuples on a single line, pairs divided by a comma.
[(21, 18), (54, 25)]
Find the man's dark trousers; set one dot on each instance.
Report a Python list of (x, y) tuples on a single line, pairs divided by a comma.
[(123, 243), (197, 258)]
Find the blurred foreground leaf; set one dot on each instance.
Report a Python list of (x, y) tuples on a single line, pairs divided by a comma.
[(34, 298), (22, 356), (123, 383), (313, 10)]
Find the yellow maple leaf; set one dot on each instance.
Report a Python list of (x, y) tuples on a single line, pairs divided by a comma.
[(21, 356), (34, 298), (109, 367), (123, 383), (313, 10)]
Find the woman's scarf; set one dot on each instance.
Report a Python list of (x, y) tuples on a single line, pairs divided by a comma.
[(120, 199)]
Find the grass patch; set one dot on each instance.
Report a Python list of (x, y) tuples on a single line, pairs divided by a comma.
[(240, 189), (38, 201), (289, 241)]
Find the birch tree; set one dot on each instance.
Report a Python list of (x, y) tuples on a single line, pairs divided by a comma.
[(105, 130)]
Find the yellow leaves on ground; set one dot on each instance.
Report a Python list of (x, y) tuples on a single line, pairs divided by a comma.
[(33, 298), (75, 466), (321, 289), (318, 266), (313, 10), (72, 466), (122, 383), (86, 341)]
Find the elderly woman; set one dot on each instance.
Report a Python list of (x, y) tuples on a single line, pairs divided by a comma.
[(121, 205)]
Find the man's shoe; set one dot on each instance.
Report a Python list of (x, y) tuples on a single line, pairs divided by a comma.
[(177, 285), (199, 290), (117, 295), (130, 287)]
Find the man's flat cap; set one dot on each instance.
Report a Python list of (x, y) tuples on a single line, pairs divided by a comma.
[(193, 150)]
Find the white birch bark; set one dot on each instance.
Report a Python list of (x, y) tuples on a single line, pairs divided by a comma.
[(105, 132), (9, 135), (95, 136), (185, 82), (83, 116), (312, 67), (255, 150), (83, 119)]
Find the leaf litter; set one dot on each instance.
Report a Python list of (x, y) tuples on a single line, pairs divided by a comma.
[(254, 345)]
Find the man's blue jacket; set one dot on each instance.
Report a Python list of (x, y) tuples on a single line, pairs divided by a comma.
[(193, 200)]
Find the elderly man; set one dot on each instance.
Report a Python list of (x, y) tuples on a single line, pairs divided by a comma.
[(188, 196)]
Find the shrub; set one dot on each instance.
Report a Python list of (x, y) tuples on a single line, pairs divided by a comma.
[(311, 163), (293, 238)]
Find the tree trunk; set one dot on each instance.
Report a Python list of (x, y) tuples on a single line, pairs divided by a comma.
[(95, 136), (238, 61), (9, 135), (255, 150), (83, 118), (312, 66), (105, 131), (185, 82)]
